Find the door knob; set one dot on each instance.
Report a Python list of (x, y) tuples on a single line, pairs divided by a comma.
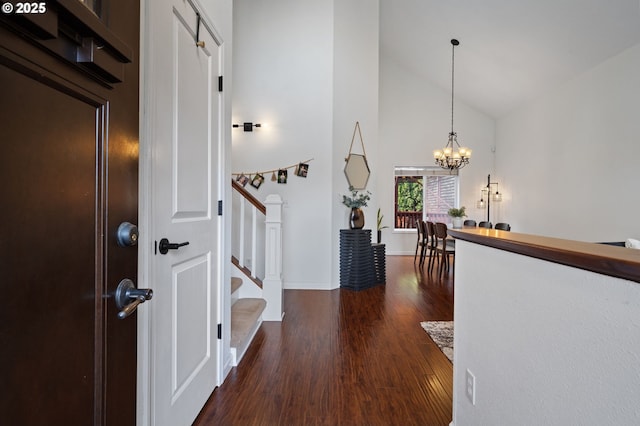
[(128, 297), (165, 246)]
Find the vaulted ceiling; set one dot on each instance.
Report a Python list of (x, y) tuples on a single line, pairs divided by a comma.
[(510, 50)]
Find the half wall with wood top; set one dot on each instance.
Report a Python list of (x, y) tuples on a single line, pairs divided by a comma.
[(547, 331)]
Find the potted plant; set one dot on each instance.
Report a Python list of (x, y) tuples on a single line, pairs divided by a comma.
[(380, 227), (457, 216), (355, 201)]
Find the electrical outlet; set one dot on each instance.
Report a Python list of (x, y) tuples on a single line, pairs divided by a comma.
[(471, 387)]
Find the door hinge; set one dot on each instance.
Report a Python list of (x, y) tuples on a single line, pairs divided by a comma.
[(220, 85), (219, 331), (219, 207)]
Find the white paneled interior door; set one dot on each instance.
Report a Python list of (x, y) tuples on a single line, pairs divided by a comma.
[(185, 115)]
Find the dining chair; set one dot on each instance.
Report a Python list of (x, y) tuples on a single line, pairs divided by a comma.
[(503, 226), (469, 222), (421, 242), (431, 244), (444, 249), (485, 224)]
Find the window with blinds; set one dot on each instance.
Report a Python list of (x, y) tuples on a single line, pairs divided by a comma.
[(423, 193)]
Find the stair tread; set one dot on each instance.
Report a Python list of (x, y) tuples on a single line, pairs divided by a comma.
[(244, 315), (235, 284)]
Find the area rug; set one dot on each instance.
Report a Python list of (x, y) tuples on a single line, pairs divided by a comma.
[(441, 332)]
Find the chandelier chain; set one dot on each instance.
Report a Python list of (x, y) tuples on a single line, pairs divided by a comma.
[(452, 156), (453, 50)]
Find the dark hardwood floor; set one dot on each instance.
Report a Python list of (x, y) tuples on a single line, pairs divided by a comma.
[(346, 357)]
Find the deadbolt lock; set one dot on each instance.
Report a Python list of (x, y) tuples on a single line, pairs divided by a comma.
[(127, 234)]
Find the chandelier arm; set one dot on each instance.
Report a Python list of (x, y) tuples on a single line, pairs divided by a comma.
[(455, 139)]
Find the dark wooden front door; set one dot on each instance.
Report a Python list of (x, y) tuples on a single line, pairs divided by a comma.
[(68, 178)]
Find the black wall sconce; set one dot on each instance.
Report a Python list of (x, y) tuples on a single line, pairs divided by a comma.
[(247, 127)]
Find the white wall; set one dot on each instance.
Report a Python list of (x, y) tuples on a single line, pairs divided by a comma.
[(220, 14), (569, 161), (415, 119), (548, 344), (283, 60), (307, 71), (355, 99)]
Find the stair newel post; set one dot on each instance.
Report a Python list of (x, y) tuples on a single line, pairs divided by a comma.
[(272, 283)]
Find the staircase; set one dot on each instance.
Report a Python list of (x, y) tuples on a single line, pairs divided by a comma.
[(256, 283), (246, 318)]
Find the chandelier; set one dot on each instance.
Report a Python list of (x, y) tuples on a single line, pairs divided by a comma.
[(452, 156)]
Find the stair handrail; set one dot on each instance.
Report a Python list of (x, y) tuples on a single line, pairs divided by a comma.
[(249, 197)]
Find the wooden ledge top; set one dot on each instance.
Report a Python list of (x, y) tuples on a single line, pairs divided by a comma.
[(619, 262)]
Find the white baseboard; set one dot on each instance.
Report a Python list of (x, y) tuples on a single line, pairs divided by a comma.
[(226, 368), (309, 286), (400, 253)]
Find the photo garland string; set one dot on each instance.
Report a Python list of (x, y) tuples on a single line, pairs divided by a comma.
[(279, 175)]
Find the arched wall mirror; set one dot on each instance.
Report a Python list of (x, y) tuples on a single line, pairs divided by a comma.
[(357, 171)]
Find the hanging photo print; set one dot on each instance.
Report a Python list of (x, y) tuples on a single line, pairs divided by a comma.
[(257, 181), (302, 169), (282, 176), (242, 179), (279, 175)]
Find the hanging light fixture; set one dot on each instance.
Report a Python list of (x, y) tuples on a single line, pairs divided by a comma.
[(495, 196), (452, 156)]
